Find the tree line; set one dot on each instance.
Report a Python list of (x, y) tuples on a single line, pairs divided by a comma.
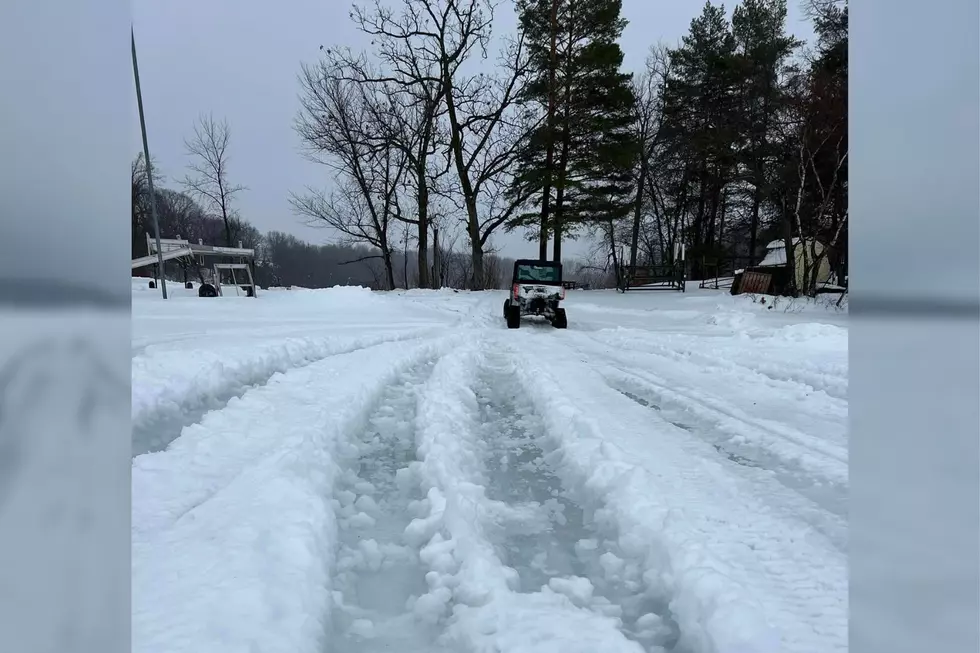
[(732, 138), (443, 134), (202, 210)]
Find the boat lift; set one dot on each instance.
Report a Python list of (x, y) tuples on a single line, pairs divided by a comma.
[(177, 248)]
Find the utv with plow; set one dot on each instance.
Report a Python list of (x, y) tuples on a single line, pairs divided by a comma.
[(536, 289)]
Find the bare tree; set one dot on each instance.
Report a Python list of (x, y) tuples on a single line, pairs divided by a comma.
[(208, 180), (342, 125), (415, 105), (648, 89), (479, 108), (831, 146)]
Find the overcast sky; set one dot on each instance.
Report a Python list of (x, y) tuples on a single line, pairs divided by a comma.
[(239, 60)]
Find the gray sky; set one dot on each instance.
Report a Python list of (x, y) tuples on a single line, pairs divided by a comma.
[(239, 60)]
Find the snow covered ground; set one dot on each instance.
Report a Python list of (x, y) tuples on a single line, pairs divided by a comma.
[(342, 470)]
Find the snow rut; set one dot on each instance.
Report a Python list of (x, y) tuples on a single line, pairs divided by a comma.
[(513, 563), (379, 575), (815, 465), (811, 374), (563, 541), (743, 569), (812, 468)]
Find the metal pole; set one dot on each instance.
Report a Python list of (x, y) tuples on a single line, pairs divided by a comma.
[(149, 169)]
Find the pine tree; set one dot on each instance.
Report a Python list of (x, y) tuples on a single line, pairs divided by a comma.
[(579, 161), (702, 114), (759, 28)]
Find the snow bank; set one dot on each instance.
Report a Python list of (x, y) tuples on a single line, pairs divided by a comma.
[(181, 381), (740, 579), (813, 333), (233, 533), (466, 578)]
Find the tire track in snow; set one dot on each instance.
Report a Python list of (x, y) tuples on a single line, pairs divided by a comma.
[(557, 538), (379, 575), (232, 526), (769, 445), (471, 592), (813, 459), (742, 569), (162, 410), (803, 374), (825, 505)]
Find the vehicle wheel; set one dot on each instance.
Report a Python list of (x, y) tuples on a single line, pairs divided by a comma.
[(513, 316), (560, 321), (506, 306), (207, 290), (189, 285)]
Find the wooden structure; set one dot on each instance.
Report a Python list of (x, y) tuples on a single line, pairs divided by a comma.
[(653, 277), (755, 283), (774, 267)]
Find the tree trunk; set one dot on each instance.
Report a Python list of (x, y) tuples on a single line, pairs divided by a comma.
[(790, 254), (423, 216), (550, 152), (558, 221), (389, 267), (754, 223), (466, 185), (436, 260), (405, 260), (476, 256), (224, 216), (612, 251), (566, 143), (637, 213)]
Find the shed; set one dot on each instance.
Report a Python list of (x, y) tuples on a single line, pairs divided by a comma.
[(776, 257)]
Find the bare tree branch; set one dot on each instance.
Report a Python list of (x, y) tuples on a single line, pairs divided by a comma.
[(208, 178)]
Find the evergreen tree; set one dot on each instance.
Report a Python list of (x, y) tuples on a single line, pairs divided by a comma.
[(702, 116), (764, 49), (579, 160)]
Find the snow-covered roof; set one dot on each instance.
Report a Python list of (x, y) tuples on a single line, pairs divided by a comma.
[(775, 256), (781, 243)]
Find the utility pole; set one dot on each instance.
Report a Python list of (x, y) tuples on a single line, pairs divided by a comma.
[(149, 169)]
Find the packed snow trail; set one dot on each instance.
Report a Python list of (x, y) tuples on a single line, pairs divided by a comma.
[(410, 475)]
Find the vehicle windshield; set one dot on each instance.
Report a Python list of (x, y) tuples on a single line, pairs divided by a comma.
[(546, 273)]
